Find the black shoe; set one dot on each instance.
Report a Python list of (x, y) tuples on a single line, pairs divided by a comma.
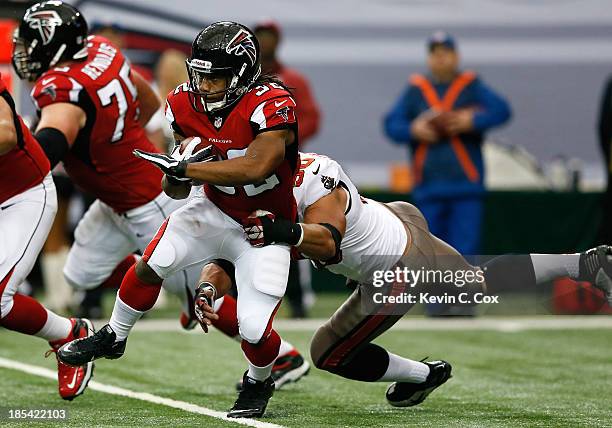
[(252, 398), (405, 394), (595, 266), (291, 367), (102, 344)]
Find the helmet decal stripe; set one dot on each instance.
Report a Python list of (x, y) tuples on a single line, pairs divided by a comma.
[(242, 43), (45, 22)]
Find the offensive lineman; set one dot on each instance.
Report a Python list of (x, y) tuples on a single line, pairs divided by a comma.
[(92, 111), (27, 207), (251, 122), (342, 231)]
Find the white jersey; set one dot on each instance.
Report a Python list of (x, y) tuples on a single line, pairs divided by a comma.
[(374, 239)]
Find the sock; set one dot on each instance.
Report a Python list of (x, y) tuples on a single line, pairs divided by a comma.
[(116, 277), (25, 316), (123, 319), (260, 373), (228, 318), (136, 293), (285, 347), (405, 370), (55, 327), (261, 356), (552, 266)]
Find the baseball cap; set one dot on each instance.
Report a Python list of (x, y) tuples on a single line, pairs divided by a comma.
[(441, 38), (268, 25)]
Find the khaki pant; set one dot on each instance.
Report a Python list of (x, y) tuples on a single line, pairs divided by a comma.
[(349, 328)]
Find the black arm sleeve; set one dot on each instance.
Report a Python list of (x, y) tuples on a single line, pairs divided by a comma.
[(54, 144)]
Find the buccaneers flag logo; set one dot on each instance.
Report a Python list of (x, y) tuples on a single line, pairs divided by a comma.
[(45, 22), (242, 43)]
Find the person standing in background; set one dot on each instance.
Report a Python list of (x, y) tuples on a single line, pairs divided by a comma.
[(299, 293), (269, 35), (442, 117), (604, 128), (170, 72)]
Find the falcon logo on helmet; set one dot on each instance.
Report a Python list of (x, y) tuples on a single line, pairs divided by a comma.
[(45, 22), (242, 43)]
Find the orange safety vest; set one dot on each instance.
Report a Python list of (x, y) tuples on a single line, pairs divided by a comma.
[(443, 105)]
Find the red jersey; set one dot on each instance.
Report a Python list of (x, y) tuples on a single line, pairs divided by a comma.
[(26, 165), (101, 160), (263, 108)]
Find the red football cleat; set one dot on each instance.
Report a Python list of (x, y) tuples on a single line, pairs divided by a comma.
[(72, 381)]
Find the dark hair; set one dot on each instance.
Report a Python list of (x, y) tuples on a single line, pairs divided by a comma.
[(271, 78)]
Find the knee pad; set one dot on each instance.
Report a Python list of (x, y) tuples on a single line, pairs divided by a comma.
[(6, 299), (253, 329), (76, 285), (6, 304)]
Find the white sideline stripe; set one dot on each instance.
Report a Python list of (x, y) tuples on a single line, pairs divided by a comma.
[(501, 324), (143, 396)]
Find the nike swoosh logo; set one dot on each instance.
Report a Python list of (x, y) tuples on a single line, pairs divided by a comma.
[(45, 81), (73, 383), (317, 170), (277, 104)]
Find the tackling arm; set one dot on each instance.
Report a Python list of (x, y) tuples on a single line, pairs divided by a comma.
[(262, 157), (8, 133), (318, 238), (318, 242)]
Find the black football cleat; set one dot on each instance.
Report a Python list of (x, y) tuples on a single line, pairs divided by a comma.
[(291, 367), (252, 398), (595, 266), (406, 394), (101, 344)]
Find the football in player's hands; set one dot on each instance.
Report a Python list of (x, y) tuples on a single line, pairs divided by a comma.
[(195, 149)]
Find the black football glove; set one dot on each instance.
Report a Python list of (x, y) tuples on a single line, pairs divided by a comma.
[(263, 228)]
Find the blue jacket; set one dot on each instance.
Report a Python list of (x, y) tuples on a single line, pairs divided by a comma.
[(442, 171)]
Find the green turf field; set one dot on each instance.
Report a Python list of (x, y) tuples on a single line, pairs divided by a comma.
[(552, 378)]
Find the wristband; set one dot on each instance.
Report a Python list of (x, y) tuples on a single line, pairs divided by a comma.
[(282, 230)]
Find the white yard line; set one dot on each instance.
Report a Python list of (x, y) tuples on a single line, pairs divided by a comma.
[(143, 396), (501, 324)]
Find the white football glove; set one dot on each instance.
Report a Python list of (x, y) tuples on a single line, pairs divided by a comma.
[(175, 164)]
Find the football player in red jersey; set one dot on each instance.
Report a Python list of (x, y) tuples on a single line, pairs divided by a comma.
[(92, 111), (27, 207), (251, 123)]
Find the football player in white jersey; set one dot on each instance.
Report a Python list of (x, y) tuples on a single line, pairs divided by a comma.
[(354, 236)]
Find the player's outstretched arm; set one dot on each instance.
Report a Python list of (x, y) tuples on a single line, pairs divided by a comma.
[(148, 98), (319, 242), (8, 133), (262, 157), (58, 128), (318, 238)]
